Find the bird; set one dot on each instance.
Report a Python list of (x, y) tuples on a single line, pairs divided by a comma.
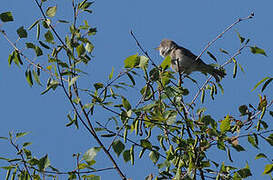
[(186, 60)]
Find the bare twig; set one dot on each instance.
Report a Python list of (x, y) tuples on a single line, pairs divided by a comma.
[(221, 34), (209, 78)]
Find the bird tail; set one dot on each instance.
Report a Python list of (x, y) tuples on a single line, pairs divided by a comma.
[(216, 73)]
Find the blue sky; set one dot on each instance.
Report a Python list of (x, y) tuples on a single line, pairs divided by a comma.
[(191, 24)]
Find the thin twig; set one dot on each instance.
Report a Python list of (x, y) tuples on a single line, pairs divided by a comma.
[(221, 34), (209, 78)]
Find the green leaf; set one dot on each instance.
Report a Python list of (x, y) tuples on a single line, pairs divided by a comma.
[(90, 154), (85, 5), (238, 147), (166, 63), (80, 50), (240, 37), (212, 56), (256, 50), (29, 77), (38, 31), (98, 86), (244, 173), (21, 134), (266, 84), (143, 62), (44, 163), (131, 78), (6, 17), (17, 58), (44, 45), (89, 47), (260, 155), (38, 51), (132, 154), (22, 33), (268, 169), (126, 155), (49, 37), (51, 85), (132, 61), (203, 95), (111, 74), (225, 124), (51, 11), (145, 144), (269, 139), (154, 156), (72, 81), (118, 147), (252, 141), (126, 104), (223, 51), (243, 110), (260, 82)]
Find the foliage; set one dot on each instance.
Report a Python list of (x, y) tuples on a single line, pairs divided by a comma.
[(178, 133)]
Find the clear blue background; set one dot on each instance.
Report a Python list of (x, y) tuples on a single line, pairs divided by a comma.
[(191, 24)]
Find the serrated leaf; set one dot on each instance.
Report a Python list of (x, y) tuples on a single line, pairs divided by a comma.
[(256, 50), (132, 61), (90, 154), (118, 147), (22, 33), (166, 63), (268, 169), (154, 156), (51, 11), (225, 124), (6, 17)]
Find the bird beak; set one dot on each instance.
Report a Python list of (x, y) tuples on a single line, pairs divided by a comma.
[(157, 48)]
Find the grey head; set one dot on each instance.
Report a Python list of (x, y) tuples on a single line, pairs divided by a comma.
[(166, 46)]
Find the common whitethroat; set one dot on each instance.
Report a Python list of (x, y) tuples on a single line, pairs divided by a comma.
[(186, 60)]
